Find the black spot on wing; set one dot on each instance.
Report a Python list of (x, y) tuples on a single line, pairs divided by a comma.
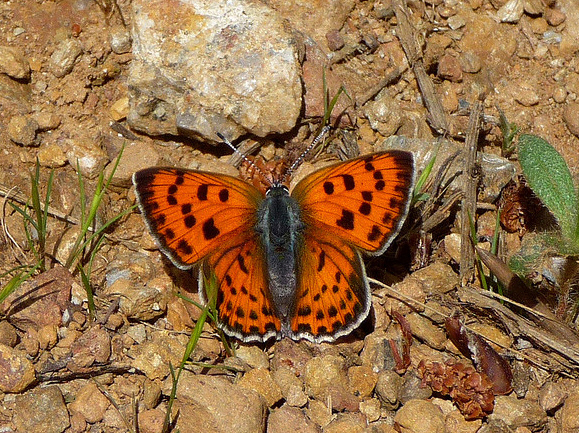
[(328, 188), (209, 229), (375, 234), (202, 192), (184, 247), (241, 262), (321, 260), (332, 311), (186, 208), (223, 195), (365, 208), (367, 196), (346, 221), (349, 183), (190, 221)]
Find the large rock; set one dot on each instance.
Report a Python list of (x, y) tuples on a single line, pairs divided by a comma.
[(201, 67)]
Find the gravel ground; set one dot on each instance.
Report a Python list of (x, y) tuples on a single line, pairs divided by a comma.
[(81, 80)]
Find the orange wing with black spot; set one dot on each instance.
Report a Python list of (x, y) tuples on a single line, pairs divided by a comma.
[(333, 295), (192, 213), (243, 301), (356, 205), (208, 218), (362, 201)]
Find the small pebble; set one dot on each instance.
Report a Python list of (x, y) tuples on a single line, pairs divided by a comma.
[(8, 334), (362, 380), (41, 410), (47, 337), (90, 403), (571, 117), (554, 17), (261, 381), (120, 39), (388, 387), (253, 356), (335, 40), (449, 68), (289, 419), (22, 130), (64, 56), (13, 64), (516, 412), (120, 109), (291, 387), (371, 409), (47, 120), (51, 156), (151, 420), (420, 416), (569, 414), (16, 371)]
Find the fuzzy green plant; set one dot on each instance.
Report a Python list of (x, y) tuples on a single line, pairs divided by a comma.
[(551, 254), (418, 194), (548, 175)]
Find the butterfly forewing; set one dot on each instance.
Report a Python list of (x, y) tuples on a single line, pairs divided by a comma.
[(192, 214), (362, 201)]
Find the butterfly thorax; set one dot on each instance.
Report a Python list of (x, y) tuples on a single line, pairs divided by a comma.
[(280, 228)]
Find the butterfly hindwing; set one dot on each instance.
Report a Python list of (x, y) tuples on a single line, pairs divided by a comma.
[(363, 201), (333, 295), (192, 213), (243, 302)]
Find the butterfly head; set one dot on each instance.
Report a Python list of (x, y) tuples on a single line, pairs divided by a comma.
[(271, 174)]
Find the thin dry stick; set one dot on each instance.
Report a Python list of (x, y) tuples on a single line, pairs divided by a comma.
[(19, 198), (405, 33), (110, 398), (413, 301), (374, 90), (522, 327), (468, 209), (8, 236)]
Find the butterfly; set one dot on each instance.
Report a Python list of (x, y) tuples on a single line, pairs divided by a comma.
[(286, 265)]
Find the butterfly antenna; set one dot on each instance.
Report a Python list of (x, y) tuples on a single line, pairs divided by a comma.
[(245, 158), (307, 150)]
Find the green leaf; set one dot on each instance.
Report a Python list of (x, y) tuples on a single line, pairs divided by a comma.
[(550, 179)]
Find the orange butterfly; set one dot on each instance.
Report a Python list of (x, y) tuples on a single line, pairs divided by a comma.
[(286, 265)]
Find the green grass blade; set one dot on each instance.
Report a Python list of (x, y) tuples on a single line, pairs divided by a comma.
[(418, 194), (193, 340), (88, 216), (89, 293), (16, 281), (549, 177)]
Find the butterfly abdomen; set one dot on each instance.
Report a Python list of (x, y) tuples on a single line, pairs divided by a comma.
[(280, 227)]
